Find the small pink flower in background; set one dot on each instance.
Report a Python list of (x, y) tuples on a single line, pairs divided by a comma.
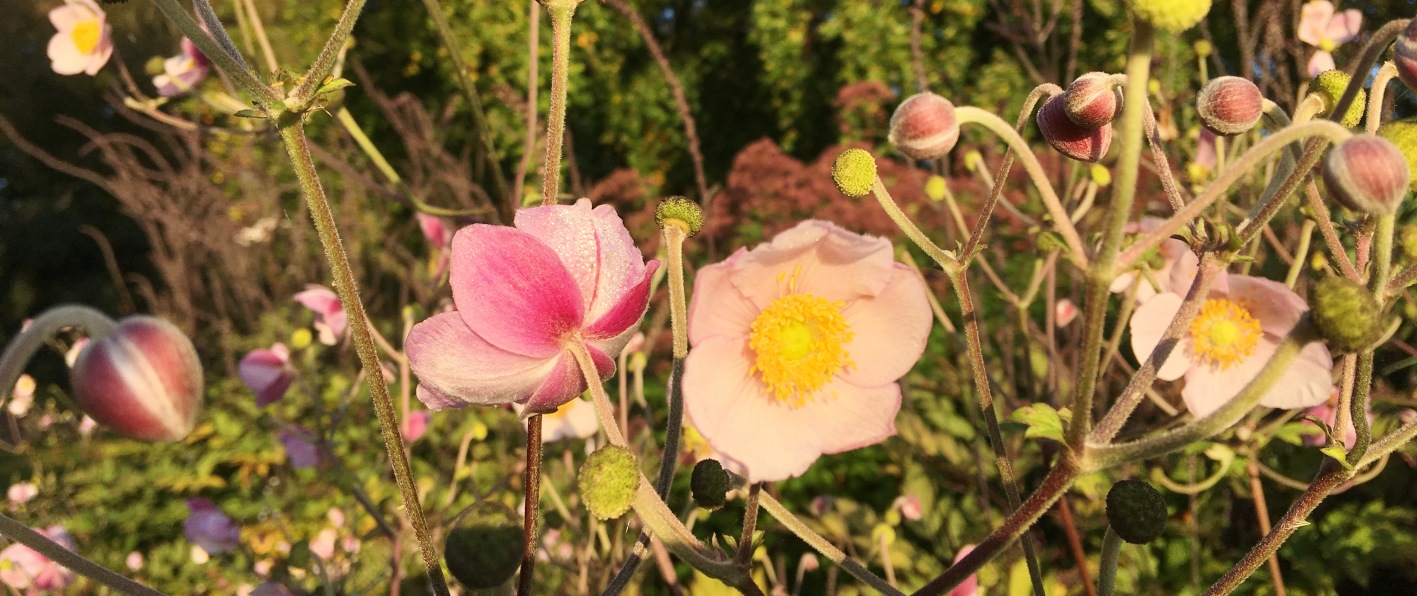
[(182, 73), (209, 528), (330, 318), (25, 570), (797, 346), (1173, 252), (576, 419), (1064, 312), (970, 587), (415, 425), (86, 425), (1230, 341), (302, 452), (84, 41), (21, 493), (438, 235), (323, 545), (909, 507), (1326, 29), (134, 561), (809, 562), (267, 372), (22, 397), (564, 274), (637, 343)]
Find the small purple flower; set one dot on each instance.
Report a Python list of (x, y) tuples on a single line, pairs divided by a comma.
[(303, 453), (207, 527), (268, 373), (181, 73)]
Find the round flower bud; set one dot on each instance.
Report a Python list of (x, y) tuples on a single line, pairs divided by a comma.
[(709, 484), (1091, 101), (1174, 16), (1082, 144), (1345, 314), (1136, 511), (608, 481), (682, 212), (143, 380), (935, 188), (1229, 105), (1329, 86), (486, 547), (1403, 134), (854, 172), (1404, 55), (924, 126), (1367, 173)]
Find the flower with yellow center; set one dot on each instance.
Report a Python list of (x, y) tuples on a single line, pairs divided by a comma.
[(797, 345), (83, 42), (1224, 333)]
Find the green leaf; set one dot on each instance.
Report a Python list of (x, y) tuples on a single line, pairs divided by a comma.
[(1042, 420), (1338, 453)]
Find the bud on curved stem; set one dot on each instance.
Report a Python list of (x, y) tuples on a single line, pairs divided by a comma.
[(924, 126), (143, 380), (1230, 105)]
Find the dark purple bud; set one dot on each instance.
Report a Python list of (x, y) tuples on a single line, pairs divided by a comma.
[(1091, 100), (1082, 144), (1229, 105), (924, 126), (143, 380), (1367, 173), (1404, 55)]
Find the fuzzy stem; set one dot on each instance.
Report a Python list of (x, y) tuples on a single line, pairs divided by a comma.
[(232, 64), (1301, 254), (981, 224), (750, 525), (293, 136), (14, 530), (23, 346), (1107, 567), (942, 257), (1377, 44), (824, 546), (531, 491), (561, 14), (325, 62), (1385, 74)]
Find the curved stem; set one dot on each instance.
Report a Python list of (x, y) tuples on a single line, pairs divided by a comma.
[(324, 63), (561, 13), (1384, 75), (942, 257), (531, 491), (228, 61), (1377, 44), (297, 146), (824, 546), (981, 224), (23, 346), (14, 530), (1107, 567)]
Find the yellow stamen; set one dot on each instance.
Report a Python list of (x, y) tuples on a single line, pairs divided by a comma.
[(1224, 333), (799, 341), (85, 35)]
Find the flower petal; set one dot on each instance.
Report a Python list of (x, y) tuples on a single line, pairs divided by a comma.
[(1344, 26), (64, 57), (890, 330), (1314, 21), (821, 259), (1149, 324), (513, 290), (627, 311), (716, 306), (565, 382), (1320, 63), (594, 246), (460, 366), (1276, 306), (1307, 382)]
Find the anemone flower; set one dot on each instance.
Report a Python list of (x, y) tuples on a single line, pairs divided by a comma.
[(566, 274), (1173, 252), (267, 372), (330, 319), (209, 528), (797, 346), (182, 73), (1322, 27), (1236, 332), (28, 572), (84, 41)]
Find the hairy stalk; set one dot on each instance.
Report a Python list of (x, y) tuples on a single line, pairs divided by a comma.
[(531, 491), (231, 64), (293, 136), (824, 546), (23, 346), (1385, 74), (942, 257), (14, 530), (533, 52), (750, 525), (1377, 44), (324, 63), (1252, 470), (1301, 253), (1107, 567), (561, 13), (981, 224)]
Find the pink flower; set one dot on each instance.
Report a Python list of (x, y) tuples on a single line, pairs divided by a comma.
[(797, 345), (302, 452), (134, 561), (21, 493), (86, 425), (22, 397), (970, 587), (576, 419), (207, 527), (437, 234), (181, 73), (267, 372), (1230, 341), (1064, 312), (22, 568), (1168, 276), (564, 274), (415, 425), (330, 318), (84, 41), (1322, 28), (909, 507)]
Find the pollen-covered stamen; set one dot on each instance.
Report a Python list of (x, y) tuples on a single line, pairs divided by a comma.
[(1224, 333), (799, 341), (86, 35)]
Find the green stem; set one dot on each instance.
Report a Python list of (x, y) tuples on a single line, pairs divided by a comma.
[(981, 224), (1107, 567), (232, 65), (14, 530), (1301, 254), (561, 14), (1358, 407), (531, 491), (824, 546), (1385, 74), (942, 257), (293, 136), (325, 62), (23, 347)]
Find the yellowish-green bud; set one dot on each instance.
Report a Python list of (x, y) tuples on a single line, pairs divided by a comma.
[(1202, 48), (709, 484), (1329, 86), (1403, 134), (485, 548), (1100, 175), (1174, 16), (854, 172), (1345, 313), (935, 188), (682, 212), (608, 481)]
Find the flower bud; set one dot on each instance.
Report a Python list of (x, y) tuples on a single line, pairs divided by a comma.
[(1082, 144), (1091, 101), (709, 484), (1229, 105), (608, 481), (1404, 55), (1345, 314), (1174, 16), (485, 549), (682, 212), (924, 126), (1136, 511), (1367, 173), (143, 380), (1403, 135), (854, 172), (935, 188), (1329, 86)]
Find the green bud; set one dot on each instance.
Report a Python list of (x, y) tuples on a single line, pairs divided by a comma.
[(709, 484), (935, 188), (608, 481), (1174, 16), (682, 212), (1403, 133), (1329, 86), (486, 546), (1136, 511), (854, 172), (1345, 313)]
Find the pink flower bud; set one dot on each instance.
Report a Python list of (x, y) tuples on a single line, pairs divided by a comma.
[(1064, 312), (1076, 142), (143, 380), (809, 562), (1367, 173), (924, 126), (1405, 55), (909, 507), (267, 372), (1091, 101), (1229, 105), (207, 527)]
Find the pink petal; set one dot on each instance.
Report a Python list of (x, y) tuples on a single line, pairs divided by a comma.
[(267, 373), (102, 52), (1181, 267), (1314, 21), (1205, 149), (513, 290), (565, 382), (1320, 63), (826, 260), (594, 246), (1148, 325), (716, 307), (626, 312), (1344, 26), (461, 368), (890, 330), (1308, 381), (415, 425), (1276, 306), (970, 586), (320, 299), (64, 56), (433, 230)]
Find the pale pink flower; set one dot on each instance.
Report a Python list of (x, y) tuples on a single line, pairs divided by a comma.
[(797, 346), (209, 528), (182, 73), (134, 561), (323, 545), (336, 517), (86, 425), (1173, 253), (84, 41), (330, 318), (22, 397), (909, 507), (1064, 312), (1231, 339), (809, 562), (576, 419), (1322, 27), (303, 452), (564, 274), (21, 493), (24, 569), (72, 356), (267, 372), (415, 425), (970, 587)]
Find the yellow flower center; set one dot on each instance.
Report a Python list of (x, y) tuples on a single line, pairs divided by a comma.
[(799, 341), (85, 36), (1224, 333), (1327, 44)]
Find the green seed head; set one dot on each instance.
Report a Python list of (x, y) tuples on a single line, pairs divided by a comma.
[(1136, 511), (854, 172), (682, 212), (486, 547), (1174, 16), (1345, 313), (1403, 134), (1329, 86), (935, 188), (709, 484), (608, 481)]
